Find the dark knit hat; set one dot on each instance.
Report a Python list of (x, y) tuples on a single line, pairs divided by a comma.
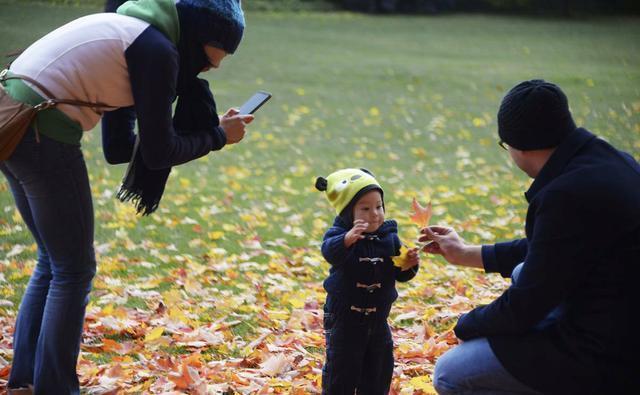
[(534, 115), (215, 22)]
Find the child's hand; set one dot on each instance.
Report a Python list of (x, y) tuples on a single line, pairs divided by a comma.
[(408, 258), (413, 259), (354, 234)]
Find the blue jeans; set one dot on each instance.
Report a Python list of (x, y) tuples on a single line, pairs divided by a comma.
[(359, 352), (472, 368), (50, 187)]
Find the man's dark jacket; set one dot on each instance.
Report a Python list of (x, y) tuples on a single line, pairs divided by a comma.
[(581, 251)]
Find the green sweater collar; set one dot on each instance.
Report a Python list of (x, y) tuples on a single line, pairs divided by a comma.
[(162, 14)]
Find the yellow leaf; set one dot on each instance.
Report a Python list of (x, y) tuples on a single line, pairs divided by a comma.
[(296, 303), (177, 315), (401, 260), (422, 383), (171, 296), (278, 315), (107, 310), (479, 122), (16, 217), (154, 334), (185, 182)]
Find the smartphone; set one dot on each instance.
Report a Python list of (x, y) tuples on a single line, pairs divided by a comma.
[(255, 102)]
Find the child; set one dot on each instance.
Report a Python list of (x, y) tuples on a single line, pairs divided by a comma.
[(361, 285)]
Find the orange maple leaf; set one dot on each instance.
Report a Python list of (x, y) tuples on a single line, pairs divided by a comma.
[(421, 215), (109, 345), (194, 360), (186, 378)]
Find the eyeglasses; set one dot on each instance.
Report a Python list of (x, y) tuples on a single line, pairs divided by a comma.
[(503, 145)]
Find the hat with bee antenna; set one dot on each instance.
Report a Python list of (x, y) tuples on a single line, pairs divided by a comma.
[(344, 187)]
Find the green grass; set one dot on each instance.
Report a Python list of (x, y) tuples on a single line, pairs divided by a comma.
[(329, 70), (428, 77), (411, 98)]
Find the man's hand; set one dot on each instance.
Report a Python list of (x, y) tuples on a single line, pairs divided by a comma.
[(234, 124), (354, 234), (446, 242)]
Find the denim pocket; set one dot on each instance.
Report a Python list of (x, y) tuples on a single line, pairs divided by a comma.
[(25, 158)]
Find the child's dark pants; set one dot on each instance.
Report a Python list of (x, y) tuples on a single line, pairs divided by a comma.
[(359, 352)]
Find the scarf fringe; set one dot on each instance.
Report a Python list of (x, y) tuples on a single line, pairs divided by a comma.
[(195, 110), (135, 196)]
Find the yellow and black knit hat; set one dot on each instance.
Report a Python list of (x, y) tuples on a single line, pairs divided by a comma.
[(344, 186)]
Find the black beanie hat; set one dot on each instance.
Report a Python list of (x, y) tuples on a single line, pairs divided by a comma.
[(534, 115)]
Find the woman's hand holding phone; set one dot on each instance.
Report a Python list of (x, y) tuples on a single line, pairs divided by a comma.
[(233, 124)]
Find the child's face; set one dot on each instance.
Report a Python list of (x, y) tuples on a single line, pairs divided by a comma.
[(369, 209)]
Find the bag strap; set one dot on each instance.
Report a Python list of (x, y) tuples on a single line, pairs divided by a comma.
[(51, 101), (12, 54)]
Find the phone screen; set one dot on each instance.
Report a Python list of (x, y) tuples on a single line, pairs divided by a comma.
[(255, 102)]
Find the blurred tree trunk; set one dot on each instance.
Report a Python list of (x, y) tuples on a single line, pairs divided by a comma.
[(361, 5), (387, 6), (566, 8)]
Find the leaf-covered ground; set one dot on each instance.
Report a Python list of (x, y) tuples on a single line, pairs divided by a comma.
[(221, 290)]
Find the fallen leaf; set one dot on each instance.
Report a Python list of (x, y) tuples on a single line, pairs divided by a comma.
[(154, 334), (275, 365)]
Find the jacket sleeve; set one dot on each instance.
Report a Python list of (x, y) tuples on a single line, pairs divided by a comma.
[(117, 135), (503, 257), (560, 252), (333, 248), (406, 275), (153, 66)]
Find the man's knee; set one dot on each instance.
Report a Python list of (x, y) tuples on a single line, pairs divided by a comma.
[(516, 272), (465, 367), (444, 374)]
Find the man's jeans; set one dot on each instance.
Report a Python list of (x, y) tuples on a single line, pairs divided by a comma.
[(472, 368), (50, 186)]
